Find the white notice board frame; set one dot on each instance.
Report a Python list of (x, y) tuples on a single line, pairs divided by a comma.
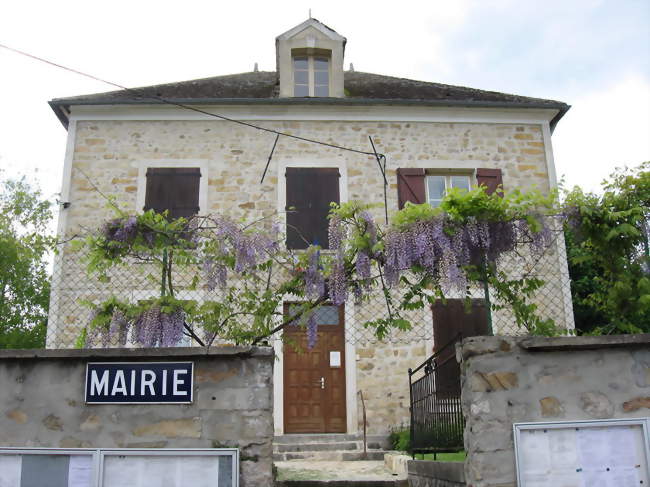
[(519, 428)]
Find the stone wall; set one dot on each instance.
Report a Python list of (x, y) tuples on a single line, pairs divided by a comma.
[(108, 157), (425, 473), (511, 380), (42, 405)]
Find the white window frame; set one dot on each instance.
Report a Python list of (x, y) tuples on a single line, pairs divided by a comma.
[(447, 177), (202, 164), (98, 455), (311, 73)]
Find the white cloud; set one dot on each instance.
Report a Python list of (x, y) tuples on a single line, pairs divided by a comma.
[(603, 130)]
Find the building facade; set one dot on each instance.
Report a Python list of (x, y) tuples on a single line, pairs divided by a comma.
[(140, 146)]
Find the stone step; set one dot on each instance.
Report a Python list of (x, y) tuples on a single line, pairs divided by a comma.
[(314, 438), (329, 455), (343, 483), (304, 447)]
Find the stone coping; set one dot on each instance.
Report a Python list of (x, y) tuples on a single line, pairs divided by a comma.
[(585, 342), (134, 353)]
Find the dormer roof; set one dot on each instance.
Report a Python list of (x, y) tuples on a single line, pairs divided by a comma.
[(316, 24)]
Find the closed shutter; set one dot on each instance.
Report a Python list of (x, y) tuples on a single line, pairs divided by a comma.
[(410, 186), (491, 179), (173, 189), (309, 194)]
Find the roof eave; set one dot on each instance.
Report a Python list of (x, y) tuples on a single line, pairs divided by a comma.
[(61, 107)]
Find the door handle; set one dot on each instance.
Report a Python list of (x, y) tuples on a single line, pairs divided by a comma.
[(322, 382)]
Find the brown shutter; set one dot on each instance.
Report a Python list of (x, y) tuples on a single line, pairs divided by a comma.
[(309, 194), (173, 189), (491, 179), (410, 186)]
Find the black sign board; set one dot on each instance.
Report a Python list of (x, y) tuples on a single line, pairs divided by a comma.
[(139, 382)]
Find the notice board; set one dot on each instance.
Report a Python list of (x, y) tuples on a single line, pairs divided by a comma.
[(601, 453)]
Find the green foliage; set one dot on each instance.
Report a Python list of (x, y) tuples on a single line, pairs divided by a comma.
[(400, 439), (24, 280), (607, 249)]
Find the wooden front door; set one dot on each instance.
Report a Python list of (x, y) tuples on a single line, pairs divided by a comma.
[(314, 380)]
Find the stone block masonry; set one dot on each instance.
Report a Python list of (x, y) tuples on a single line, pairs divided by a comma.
[(508, 380), (42, 405)]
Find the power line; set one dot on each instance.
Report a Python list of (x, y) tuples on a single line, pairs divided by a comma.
[(187, 107)]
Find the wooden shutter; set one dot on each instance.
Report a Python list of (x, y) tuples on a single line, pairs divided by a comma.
[(491, 179), (309, 194), (410, 186), (173, 189)]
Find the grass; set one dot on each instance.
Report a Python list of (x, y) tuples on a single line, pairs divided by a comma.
[(442, 457)]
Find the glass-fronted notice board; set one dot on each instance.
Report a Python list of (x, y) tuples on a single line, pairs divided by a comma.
[(601, 453), (51, 467)]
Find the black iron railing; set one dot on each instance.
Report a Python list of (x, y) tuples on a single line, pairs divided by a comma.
[(437, 422)]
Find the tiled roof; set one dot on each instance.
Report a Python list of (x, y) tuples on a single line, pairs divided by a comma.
[(263, 87)]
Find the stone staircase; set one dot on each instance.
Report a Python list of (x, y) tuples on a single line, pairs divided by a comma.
[(329, 447)]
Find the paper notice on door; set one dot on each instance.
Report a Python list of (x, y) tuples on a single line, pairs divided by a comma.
[(80, 471), (10, 470), (335, 359)]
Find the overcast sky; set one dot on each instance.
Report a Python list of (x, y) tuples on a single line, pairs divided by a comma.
[(591, 54)]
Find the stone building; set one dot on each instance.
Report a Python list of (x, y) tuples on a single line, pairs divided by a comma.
[(435, 136)]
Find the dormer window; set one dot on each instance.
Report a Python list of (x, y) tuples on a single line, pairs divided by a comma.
[(311, 76)]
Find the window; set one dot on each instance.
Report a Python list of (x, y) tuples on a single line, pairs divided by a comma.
[(417, 185), (175, 189), (438, 185), (311, 76), (310, 191)]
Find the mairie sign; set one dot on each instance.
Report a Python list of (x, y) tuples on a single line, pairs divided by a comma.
[(139, 382)]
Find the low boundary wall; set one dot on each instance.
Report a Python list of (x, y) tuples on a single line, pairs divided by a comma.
[(426, 473), (508, 380), (42, 404)]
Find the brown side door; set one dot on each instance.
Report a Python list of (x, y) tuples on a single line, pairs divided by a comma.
[(449, 319), (314, 380)]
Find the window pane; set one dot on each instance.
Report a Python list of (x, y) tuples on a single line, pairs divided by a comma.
[(461, 182), (301, 90), (321, 77), (321, 63), (321, 90), (301, 77), (327, 315), (436, 187), (300, 63)]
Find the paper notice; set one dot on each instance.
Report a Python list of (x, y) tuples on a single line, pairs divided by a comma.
[(593, 448), (80, 471), (596, 478), (622, 447), (534, 452), (624, 477), (563, 446), (10, 468), (123, 471), (199, 471)]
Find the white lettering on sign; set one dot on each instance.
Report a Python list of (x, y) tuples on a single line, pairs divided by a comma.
[(164, 383), (147, 380), (101, 386), (119, 384), (178, 382)]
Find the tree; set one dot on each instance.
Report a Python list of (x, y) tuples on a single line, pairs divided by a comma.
[(425, 251), (24, 280), (607, 247)]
